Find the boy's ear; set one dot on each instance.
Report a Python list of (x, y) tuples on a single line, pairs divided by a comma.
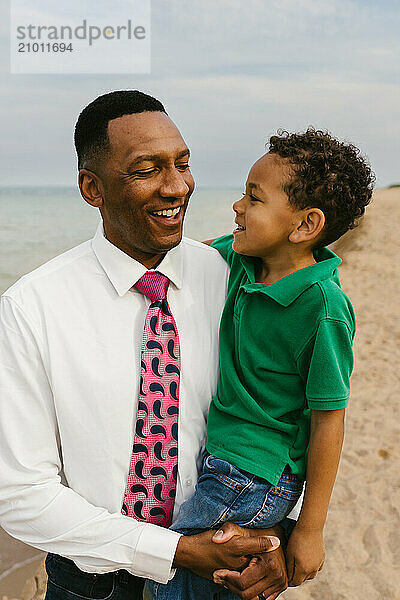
[(311, 225), (91, 187)]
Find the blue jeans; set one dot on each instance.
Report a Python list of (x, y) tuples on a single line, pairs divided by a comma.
[(225, 493), (67, 582)]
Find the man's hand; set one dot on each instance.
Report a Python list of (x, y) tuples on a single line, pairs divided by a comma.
[(266, 572), (305, 555), (233, 551)]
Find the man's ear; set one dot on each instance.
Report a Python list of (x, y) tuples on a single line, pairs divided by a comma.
[(310, 227), (91, 188)]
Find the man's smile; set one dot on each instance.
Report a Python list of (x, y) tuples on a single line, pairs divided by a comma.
[(166, 212), (168, 217)]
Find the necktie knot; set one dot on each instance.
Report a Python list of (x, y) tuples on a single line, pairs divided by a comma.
[(153, 285)]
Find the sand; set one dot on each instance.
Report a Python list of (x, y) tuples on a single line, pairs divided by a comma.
[(18, 562), (26, 583), (363, 529)]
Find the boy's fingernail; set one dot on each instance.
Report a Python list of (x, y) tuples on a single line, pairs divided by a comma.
[(275, 542), (218, 535)]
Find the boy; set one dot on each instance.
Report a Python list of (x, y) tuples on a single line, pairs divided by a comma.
[(286, 356)]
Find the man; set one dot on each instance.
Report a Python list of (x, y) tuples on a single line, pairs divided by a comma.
[(70, 356)]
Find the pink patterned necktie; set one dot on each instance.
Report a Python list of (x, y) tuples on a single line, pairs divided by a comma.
[(151, 486)]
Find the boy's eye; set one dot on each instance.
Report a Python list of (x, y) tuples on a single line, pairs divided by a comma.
[(252, 198)]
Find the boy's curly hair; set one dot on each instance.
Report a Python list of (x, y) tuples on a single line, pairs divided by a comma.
[(328, 174)]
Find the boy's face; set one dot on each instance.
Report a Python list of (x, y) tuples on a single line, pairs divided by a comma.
[(264, 216)]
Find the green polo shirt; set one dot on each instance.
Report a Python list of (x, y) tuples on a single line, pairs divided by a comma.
[(285, 348)]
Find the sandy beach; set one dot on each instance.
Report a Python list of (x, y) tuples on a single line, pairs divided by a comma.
[(363, 530), (18, 562)]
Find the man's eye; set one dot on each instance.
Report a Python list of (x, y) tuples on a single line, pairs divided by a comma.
[(144, 173), (183, 167)]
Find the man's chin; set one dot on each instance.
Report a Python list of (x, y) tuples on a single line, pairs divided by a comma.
[(161, 245)]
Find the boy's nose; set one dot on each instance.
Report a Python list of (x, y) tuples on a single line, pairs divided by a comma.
[(238, 206)]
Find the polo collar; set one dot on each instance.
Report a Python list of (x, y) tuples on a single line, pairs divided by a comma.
[(124, 271), (288, 289)]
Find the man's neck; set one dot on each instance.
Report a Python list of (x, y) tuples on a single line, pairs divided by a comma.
[(150, 261)]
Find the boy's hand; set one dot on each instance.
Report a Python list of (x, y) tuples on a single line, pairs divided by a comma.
[(305, 555)]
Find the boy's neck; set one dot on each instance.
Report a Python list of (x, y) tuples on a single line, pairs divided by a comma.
[(275, 267)]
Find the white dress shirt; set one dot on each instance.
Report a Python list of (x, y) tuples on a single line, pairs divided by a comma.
[(70, 343)]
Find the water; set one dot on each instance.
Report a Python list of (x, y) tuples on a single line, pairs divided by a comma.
[(36, 224)]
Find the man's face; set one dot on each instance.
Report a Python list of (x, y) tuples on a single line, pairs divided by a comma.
[(147, 185)]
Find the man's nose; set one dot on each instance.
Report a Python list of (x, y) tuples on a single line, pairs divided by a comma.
[(173, 184)]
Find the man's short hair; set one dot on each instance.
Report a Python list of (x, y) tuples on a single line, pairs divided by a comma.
[(327, 174), (91, 130)]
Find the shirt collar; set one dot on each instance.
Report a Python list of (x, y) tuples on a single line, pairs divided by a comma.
[(124, 271), (286, 290)]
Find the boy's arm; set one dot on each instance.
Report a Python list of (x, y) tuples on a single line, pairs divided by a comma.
[(305, 550)]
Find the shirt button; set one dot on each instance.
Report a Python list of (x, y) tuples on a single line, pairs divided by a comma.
[(188, 482)]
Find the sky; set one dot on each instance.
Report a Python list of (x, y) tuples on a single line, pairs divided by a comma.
[(230, 73)]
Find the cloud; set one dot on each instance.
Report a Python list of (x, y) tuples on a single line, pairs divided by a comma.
[(230, 72)]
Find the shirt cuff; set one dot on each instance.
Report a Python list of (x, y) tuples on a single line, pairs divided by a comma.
[(327, 403), (154, 553)]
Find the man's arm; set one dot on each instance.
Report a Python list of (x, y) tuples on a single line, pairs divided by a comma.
[(34, 505), (305, 551)]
